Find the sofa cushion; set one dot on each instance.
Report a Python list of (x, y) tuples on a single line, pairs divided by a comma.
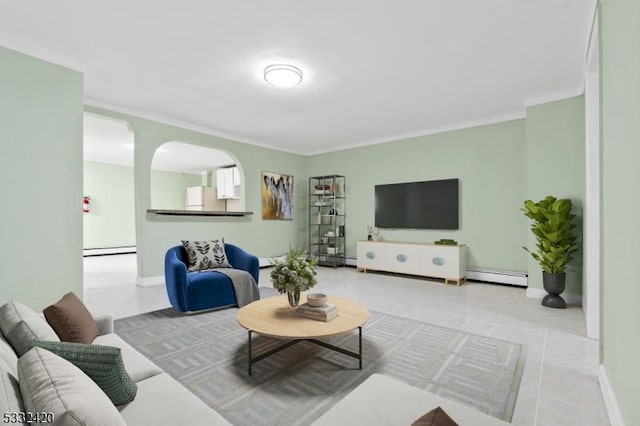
[(162, 400), (71, 320), (8, 355), (138, 367), (51, 384), (21, 325), (103, 365), (10, 397), (205, 255), (435, 417)]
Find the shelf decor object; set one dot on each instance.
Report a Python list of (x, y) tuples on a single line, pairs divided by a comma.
[(277, 196), (327, 215)]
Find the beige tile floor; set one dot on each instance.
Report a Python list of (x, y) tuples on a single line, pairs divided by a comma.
[(559, 386)]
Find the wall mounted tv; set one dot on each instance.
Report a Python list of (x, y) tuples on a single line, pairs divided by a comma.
[(418, 205)]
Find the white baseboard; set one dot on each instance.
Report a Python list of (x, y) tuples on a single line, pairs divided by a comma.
[(150, 281), (610, 401), (539, 293), (265, 262)]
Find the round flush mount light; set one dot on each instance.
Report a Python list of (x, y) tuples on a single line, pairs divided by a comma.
[(282, 75)]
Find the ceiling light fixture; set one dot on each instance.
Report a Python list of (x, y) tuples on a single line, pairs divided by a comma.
[(282, 75)]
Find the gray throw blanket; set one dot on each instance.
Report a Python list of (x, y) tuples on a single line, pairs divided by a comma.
[(244, 285)]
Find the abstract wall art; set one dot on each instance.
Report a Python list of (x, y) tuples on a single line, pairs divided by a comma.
[(277, 196)]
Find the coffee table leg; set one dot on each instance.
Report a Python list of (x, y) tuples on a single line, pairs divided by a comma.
[(360, 347), (249, 358)]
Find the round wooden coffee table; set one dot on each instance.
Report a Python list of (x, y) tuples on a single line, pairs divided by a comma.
[(273, 317)]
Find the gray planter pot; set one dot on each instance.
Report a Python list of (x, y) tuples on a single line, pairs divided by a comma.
[(554, 285)]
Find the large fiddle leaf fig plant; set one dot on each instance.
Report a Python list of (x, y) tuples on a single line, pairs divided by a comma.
[(553, 228)]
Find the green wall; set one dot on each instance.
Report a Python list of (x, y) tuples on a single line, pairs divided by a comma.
[(41, 218), (168, 189), (499, 166), (488, 160), (620, 107), (155, 234), (111, 220), (555, 158)]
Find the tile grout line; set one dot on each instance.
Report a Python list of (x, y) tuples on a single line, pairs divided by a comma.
[(544, 351)]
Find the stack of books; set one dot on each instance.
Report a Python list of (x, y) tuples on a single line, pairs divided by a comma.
[(321, 313)]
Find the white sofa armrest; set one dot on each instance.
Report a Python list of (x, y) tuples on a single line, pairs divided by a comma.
[(381, 400)]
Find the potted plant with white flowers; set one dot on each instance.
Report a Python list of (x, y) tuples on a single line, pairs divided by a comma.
[(294, 274)]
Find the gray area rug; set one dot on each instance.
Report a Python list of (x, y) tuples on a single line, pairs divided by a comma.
[(208, 354)]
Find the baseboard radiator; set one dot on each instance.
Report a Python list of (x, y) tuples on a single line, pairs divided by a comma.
[(475, 274), (498, 276), (482, 274), (108, 250)]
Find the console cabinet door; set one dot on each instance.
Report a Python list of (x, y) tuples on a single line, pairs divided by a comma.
[(440, 261), (403, 258), (371, 255)]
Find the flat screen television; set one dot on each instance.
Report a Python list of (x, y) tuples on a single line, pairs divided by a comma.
[(417, 205)]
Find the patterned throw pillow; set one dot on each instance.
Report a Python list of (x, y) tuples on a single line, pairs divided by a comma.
[(103, 364), (205, 255)]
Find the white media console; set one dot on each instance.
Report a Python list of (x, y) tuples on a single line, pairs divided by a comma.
[(429, 260)]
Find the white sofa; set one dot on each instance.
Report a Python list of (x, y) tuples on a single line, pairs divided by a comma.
[(382, 400), (160, 400)]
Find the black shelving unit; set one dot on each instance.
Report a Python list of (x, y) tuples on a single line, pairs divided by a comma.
[(327, 215)]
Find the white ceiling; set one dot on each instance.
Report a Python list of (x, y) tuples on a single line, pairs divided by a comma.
[(374, 70)]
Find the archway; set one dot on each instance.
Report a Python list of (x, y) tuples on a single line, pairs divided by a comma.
[(186, 176)]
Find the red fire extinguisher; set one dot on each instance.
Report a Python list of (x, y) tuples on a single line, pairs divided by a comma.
[(85, 204)]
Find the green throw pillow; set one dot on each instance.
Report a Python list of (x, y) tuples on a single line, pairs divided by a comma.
[(103, 364)]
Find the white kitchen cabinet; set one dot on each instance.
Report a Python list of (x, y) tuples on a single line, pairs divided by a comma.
[(429, 260), (228, 183)]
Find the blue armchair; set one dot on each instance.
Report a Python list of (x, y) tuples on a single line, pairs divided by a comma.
[(195, 291)]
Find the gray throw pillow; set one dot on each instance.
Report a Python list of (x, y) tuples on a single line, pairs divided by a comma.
[(205, 255), (103, 364), (21, 325), (49, 383)]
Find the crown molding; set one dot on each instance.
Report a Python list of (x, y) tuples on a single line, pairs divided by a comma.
[(553, 97), (515, 115), (40, 53), (485, 121), (182, 124)]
